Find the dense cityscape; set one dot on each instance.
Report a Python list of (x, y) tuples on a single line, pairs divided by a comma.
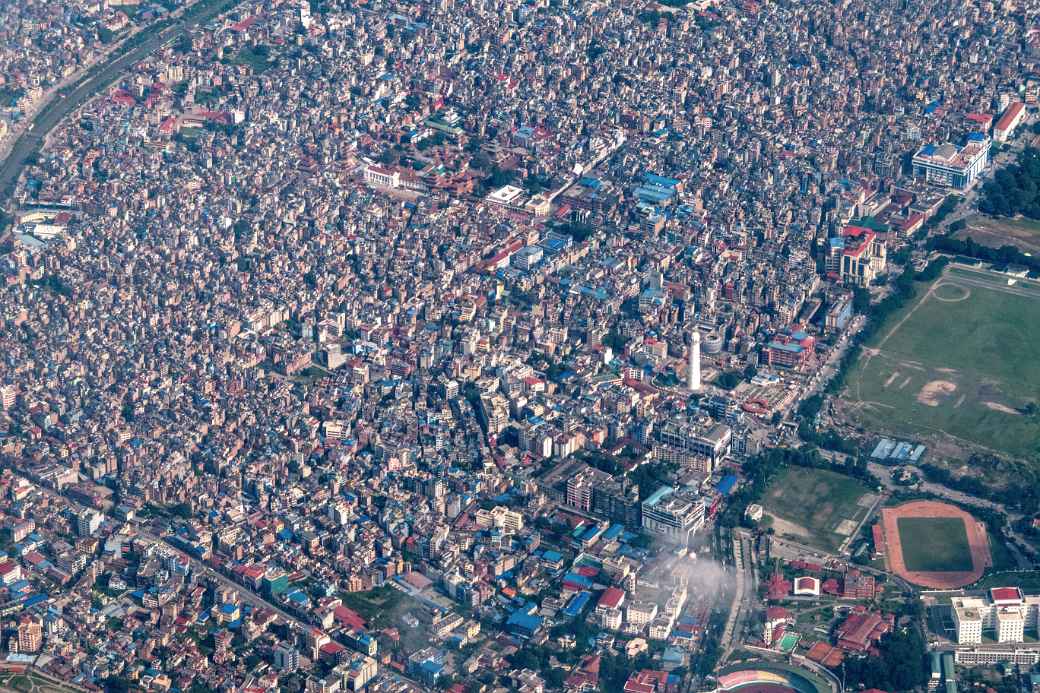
[(548, 345)]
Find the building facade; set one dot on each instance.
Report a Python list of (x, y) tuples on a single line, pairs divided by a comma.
[(950, 166)]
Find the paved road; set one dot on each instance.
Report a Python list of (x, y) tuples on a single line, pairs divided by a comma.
[(98, 78), (247, 595), (815, 553), (743, 604)]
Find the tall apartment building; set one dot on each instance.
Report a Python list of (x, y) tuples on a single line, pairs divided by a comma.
[(286, 658), (1006, 613), (595, 491), (30, 634)]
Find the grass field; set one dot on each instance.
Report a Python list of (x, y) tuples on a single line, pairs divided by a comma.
[(994, 232), (32, 681), (934, 544), (377, 606), (816, 506), (960, 362)]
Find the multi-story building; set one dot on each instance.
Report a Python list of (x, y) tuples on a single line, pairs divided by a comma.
[(382, 176), (501, 517), (8, 396), (595, 491), (30, 634), (693, 444), (950, 166), (88, 521), (674, 514), (639, 614), (790, 349), (1025, 656), (1006, 613), (1011, 119), (857, 256), (286, 658)]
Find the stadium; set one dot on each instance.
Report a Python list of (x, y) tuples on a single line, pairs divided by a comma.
[(769, 677)]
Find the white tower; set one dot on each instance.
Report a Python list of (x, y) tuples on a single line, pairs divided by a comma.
[(693, 373)]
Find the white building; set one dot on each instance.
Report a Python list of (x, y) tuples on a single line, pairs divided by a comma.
[(693, 369), (639, 614), (1008, 122), (500, 517), (383, 177), (673, 514), (950, 166), (1006, 614)]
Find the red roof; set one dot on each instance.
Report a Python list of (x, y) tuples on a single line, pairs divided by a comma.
[(983, 119), (124, 98), (611, 598), (332, 648), (1009, 115), (1005, 594), (348, 617), (245, 23)]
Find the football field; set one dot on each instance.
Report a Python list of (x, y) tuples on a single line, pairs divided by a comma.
[(934, 544)]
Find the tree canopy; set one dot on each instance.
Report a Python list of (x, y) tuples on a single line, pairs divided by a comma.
[(1014, 189)]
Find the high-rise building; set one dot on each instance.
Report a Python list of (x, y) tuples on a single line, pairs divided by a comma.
[(8, 396), (88, 522), (1006, 615)]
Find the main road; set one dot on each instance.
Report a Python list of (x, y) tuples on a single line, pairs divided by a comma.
[(96, 79)]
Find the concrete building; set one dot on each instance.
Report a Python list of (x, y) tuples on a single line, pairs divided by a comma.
[(1006, 614), (1008, 122), (673, 514), (30, 634), (857, 256), (950, 166), (692, 443)]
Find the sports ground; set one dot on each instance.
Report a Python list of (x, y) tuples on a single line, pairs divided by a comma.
[(816, 506), (957, 365), (934, 544)]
